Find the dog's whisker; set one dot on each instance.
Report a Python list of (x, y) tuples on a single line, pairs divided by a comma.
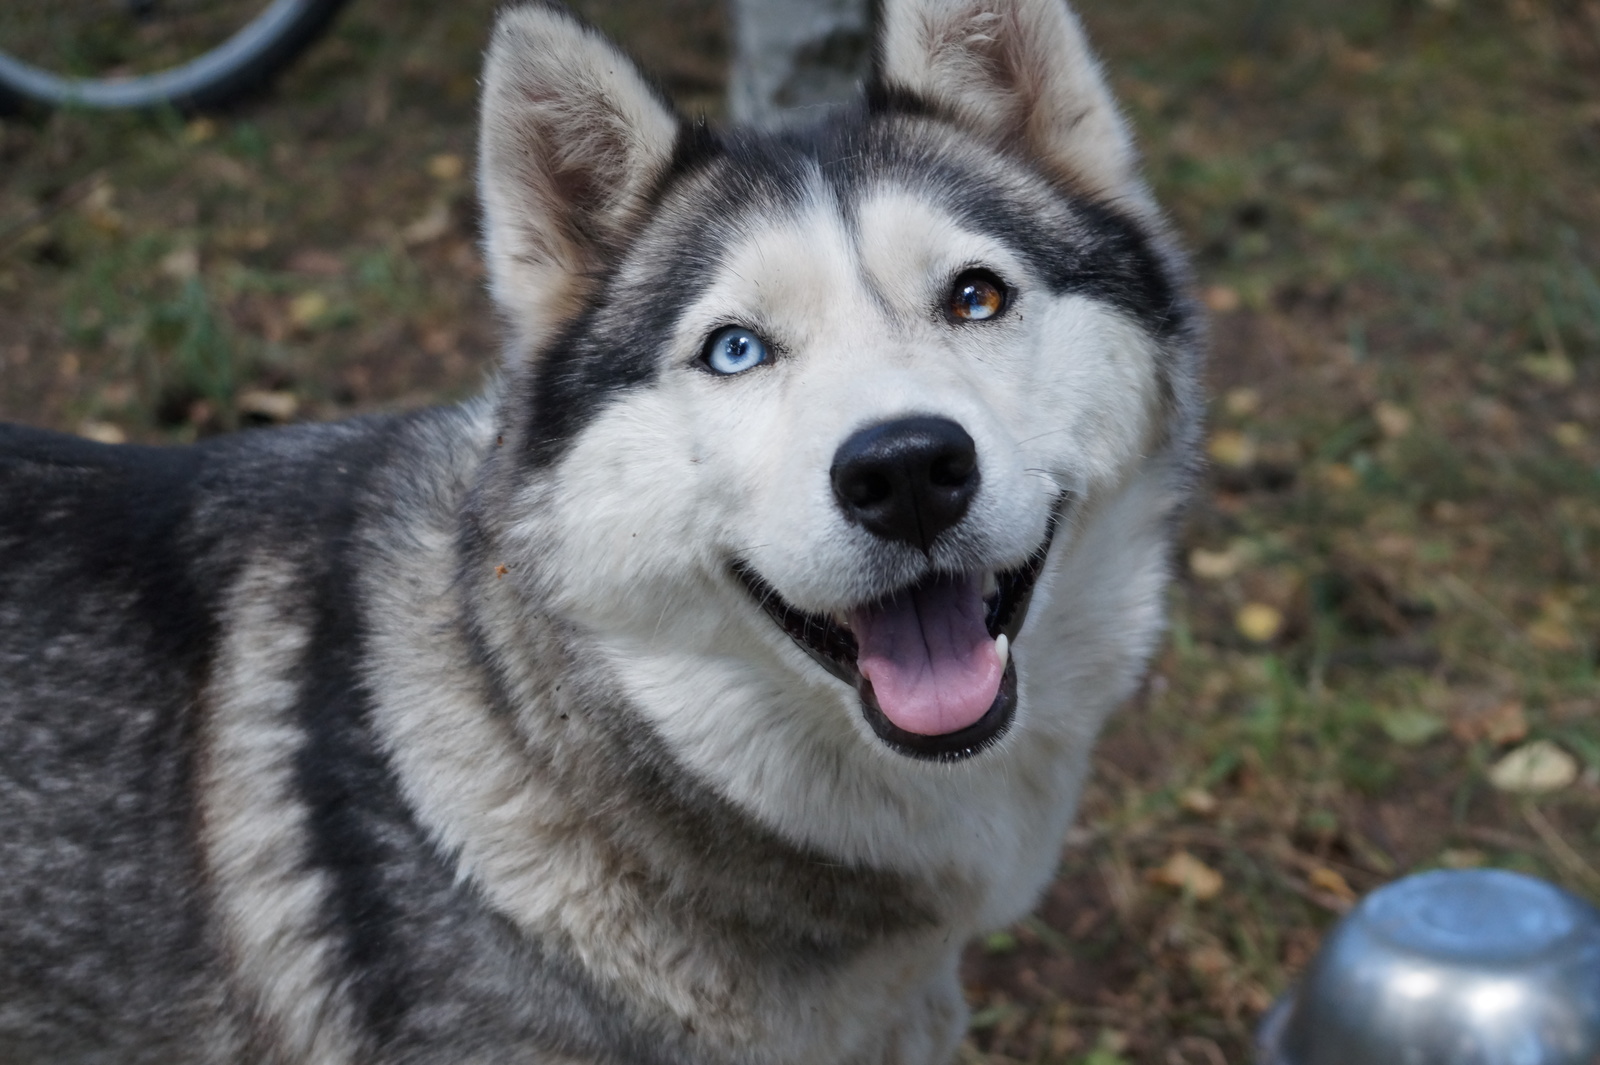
[(1041, 436)]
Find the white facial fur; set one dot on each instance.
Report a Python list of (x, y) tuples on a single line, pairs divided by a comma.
[(1057, 393), (625, 544), (670, 484)]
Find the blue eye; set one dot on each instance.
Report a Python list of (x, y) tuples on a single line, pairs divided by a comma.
[(734, 350)]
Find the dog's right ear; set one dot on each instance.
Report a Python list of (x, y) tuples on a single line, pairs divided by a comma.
[(573, 138)]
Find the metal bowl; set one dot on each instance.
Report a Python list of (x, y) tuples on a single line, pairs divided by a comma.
[(1469, 967)]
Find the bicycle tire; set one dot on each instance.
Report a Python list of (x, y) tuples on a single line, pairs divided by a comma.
[(239, 65)]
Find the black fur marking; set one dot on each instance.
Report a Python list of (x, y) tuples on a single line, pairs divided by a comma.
[(1102, 255), (697, 145), (885, 97), (425, 951), (616, 344), (1077, 244), (579, 373), (435, 975), (343, 778), (1115, 263)]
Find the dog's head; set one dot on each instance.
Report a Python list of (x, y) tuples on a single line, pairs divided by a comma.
[(857, 385)]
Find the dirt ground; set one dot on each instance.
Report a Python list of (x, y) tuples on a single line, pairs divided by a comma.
[(1384, 639)]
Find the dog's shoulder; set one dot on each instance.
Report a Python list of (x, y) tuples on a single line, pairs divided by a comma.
[(40, 467), (82, 521), (124, 539), (61, 493)]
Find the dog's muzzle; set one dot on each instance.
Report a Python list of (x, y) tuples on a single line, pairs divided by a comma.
[(930, 661)]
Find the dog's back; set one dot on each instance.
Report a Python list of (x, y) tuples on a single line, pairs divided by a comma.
[(111, 584), (694, 698), (97, 930), (188, 766), (115, 567)]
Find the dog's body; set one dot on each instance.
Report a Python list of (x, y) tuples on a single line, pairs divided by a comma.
[(646, 711)]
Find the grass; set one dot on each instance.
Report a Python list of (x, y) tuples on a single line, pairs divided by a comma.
[(1387, 585)]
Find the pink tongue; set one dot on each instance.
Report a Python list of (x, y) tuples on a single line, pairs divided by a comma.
[(929, 657)]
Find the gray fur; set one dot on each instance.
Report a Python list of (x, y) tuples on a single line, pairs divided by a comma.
[(451, 737)]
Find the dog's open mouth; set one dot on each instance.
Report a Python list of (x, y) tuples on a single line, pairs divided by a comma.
[(931, 661)]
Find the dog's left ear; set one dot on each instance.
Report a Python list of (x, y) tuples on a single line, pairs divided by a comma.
[(573, 139), (1020, 74)]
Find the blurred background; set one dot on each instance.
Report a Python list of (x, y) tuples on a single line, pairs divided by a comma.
[(1383, 650)]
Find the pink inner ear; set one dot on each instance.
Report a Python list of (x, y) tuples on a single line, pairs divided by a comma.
[(1024, 79), (572, 138)]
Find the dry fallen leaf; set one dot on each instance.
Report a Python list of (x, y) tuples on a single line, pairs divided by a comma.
[(1210, 960), (316, 261), (200, 130), (98, 207), (1393, 420), (438, 342), (103, 432), (226, 170), (1340, 476), (1410, 726), (1242, 402), (1112, 1041), (1552, 630), (1190, 875), (1534, 769), (1462, 858), (255, 238), (1259, 622), (1221, 299), (1331, 881), (1229, 447), (1198, 801), (1570, 435), (1215, 565), (446, 166), (1064, 1039), (1548, 635), (180, 264), (430, 227), (306, 308), (1256, 998), (1553, 368), (1500, 724), (277, 406), (1395, 546), (116, 394)]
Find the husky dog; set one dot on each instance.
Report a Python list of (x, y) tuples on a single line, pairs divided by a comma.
[(692, 699)]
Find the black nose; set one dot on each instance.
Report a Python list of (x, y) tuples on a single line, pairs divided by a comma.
[(907, 480)]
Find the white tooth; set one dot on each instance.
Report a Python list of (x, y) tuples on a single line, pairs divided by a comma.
[(842, 620), (1002, 647), (991, 584)]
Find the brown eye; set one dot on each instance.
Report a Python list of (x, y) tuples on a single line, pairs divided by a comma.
[(977, 296)]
